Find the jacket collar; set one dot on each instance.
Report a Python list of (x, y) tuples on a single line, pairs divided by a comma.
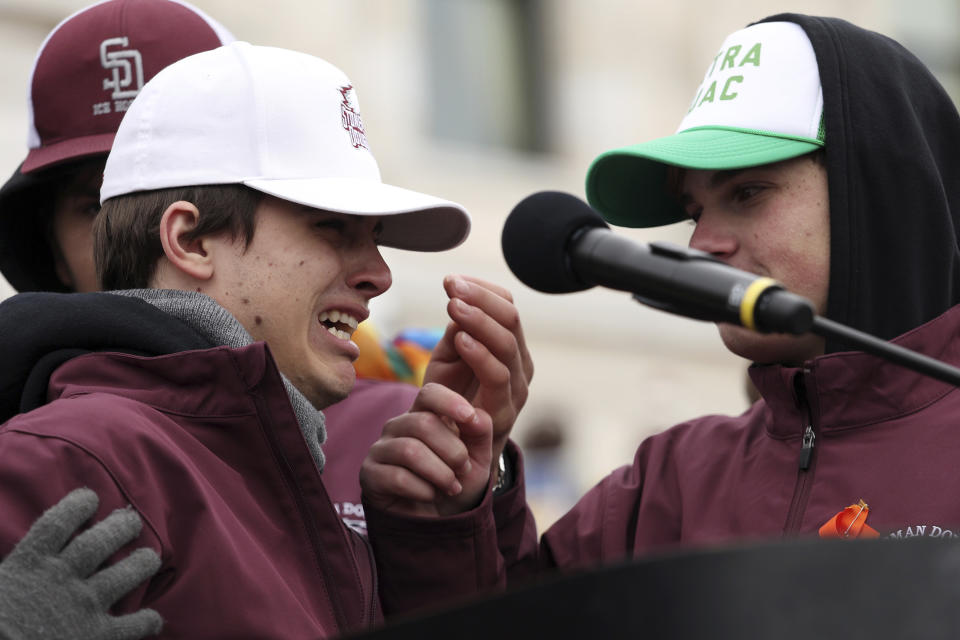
[(853, 389), (213, 382)]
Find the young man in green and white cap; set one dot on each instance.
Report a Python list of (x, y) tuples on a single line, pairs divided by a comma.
[(816, 153), (825, 156)]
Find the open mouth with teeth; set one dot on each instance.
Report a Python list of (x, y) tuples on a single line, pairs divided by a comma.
[(340, 323)]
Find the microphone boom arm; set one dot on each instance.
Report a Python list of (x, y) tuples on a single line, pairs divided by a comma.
[(887, 350)]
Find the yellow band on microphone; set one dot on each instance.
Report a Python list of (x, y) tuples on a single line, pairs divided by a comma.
[(749, 301)]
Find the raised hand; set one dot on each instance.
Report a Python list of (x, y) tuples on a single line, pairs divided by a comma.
[(433, 460), (483, 355), (437, 458)]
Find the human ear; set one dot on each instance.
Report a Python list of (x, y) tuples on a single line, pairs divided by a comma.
[(186, 254)]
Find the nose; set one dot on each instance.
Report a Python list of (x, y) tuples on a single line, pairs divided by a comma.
[(370, 275), (712, 235)]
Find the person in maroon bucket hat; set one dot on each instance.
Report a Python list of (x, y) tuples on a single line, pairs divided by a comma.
[(86, 73)]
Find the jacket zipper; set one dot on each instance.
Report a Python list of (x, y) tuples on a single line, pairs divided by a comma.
[(333, 596), (806, 449), (806, 461)]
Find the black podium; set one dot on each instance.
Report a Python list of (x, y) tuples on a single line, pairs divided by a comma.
[(802, 590)]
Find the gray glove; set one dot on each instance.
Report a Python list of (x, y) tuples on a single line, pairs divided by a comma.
[(48, 588)]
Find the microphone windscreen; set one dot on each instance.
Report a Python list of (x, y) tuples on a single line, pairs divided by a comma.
[(536, 240)]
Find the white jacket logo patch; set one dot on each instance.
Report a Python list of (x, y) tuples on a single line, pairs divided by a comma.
[(922, 531)]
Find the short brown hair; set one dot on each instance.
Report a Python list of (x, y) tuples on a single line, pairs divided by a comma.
[(126, 232)]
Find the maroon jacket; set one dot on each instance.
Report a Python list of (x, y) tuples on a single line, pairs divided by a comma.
[(719, 479), (109, 392), (205, 446)]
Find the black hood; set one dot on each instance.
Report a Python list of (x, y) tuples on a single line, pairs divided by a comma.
[(893, 163), (41, 331), (26, 210)]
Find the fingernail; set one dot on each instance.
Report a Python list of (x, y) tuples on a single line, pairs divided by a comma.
[(468, 340), (457, 488), (459, 286), (466, 414)]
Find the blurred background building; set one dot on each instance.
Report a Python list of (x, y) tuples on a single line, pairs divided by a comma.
[(487, 101)]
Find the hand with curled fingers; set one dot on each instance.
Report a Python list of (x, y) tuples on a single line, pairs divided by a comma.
[(49, 584), (431, 461), (483, 355)]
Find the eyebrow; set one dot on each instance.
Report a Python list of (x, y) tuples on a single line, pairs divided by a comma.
[(720, 177), (716, 180)]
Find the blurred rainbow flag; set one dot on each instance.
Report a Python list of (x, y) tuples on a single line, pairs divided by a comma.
[(403, 359)]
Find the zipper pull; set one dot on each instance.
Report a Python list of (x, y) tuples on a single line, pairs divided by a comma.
[(806, 451)]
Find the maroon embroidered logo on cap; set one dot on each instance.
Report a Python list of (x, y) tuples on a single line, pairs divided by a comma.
[(351, 119), (126, 75)]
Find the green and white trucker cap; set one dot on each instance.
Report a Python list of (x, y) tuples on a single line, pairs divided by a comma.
[(760, 102)]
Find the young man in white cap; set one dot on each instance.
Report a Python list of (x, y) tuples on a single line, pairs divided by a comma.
[(242, 214), (85, 75), (824, 156)]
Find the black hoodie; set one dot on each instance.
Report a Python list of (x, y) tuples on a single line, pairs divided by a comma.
[(41, 331), (893, 163)]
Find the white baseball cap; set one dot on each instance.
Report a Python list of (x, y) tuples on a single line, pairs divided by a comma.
[(281, 122), (760, 102)]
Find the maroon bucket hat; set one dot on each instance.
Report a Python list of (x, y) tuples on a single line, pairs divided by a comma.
[(92, 64), (84, 77)]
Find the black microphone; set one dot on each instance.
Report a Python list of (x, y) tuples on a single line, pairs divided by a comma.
[(556, 243)]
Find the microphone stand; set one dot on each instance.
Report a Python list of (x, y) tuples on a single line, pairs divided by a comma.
[(886, 350)]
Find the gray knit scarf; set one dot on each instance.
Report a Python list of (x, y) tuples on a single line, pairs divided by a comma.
[(218, 325)]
